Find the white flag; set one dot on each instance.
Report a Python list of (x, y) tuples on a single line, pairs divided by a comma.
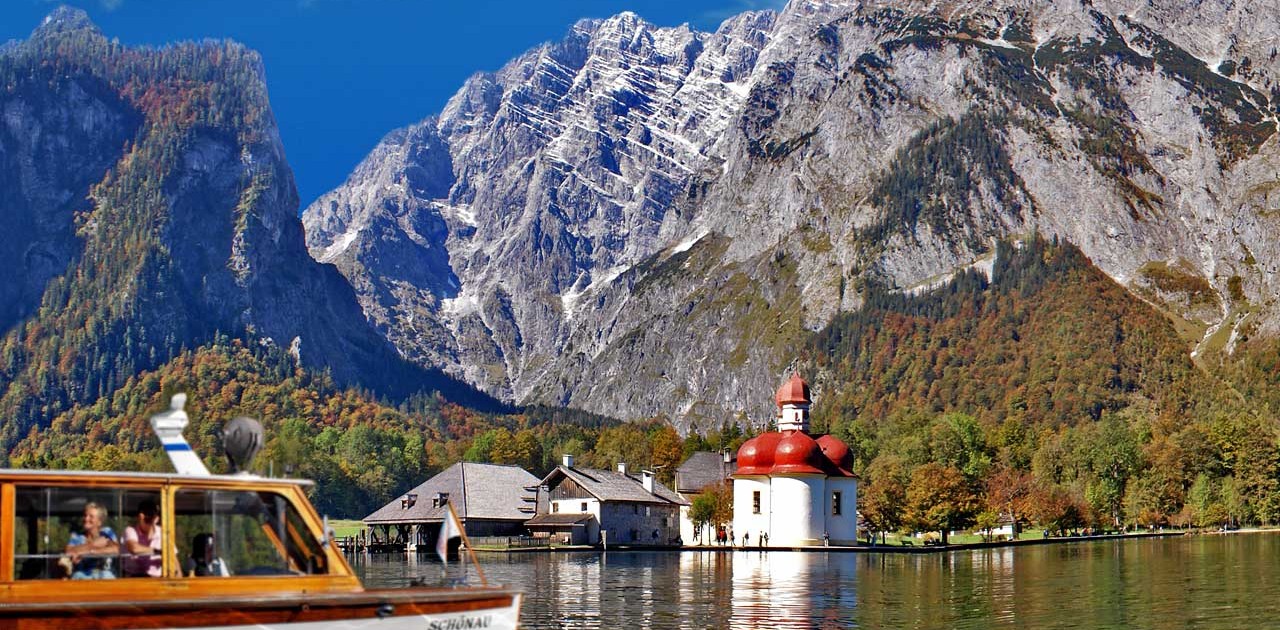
[(449, 529)]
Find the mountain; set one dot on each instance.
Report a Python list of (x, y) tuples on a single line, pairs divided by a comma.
[(643, 221), (145, 207)]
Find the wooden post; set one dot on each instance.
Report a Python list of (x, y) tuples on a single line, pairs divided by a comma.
[(466, 541)]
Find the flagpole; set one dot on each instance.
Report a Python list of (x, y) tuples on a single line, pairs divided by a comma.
[(466, 541)]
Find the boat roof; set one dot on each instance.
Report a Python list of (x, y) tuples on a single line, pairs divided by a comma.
[(154, 476)]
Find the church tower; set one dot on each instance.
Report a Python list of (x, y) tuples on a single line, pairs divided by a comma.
[(793, 405)]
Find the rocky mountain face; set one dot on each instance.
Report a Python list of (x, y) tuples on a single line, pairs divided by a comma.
[(648, 221), (145, 207)]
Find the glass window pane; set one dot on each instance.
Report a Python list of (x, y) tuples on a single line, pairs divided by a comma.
[(223, 533), (74, 533), (142, 537)]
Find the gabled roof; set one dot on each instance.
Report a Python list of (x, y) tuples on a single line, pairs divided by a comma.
[(477, 491), (703, 469), (607, 485)]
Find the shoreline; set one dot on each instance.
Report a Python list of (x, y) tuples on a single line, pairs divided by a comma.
[(878, 548)]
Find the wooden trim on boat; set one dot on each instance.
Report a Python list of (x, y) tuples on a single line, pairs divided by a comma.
[(209, 611), (156, 589), (6, 533), (170, 563)]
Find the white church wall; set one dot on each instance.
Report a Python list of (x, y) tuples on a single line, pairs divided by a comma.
[(797, 500), (746, 519), (842, 528)]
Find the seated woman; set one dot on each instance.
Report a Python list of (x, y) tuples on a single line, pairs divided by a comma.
[(90, 550), (142, 542), (203, 562)]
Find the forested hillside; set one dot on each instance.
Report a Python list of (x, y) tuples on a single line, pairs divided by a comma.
[(361, 451), (1047, 391), (146, 207)]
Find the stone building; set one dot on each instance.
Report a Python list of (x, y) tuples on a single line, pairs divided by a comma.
[(797, 489), (490, 500), (588, 506)]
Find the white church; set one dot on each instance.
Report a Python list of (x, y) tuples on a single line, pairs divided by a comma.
[(798, 490)]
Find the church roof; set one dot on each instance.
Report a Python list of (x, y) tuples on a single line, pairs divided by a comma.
[(793, 392), (796, 453)]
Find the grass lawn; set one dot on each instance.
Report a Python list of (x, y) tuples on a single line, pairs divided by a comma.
[(956, 539), (343, 527)]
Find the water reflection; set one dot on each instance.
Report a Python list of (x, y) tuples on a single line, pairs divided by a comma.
[(1201, 582)]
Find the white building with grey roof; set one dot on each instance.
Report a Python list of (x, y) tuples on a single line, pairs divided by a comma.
[(587, 506), (698, 474), (490, 500)]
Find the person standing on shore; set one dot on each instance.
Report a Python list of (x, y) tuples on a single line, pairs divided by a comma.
[(746, 538)]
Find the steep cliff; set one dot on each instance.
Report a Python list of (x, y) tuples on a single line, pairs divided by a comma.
[(146, 205), (639, 220)]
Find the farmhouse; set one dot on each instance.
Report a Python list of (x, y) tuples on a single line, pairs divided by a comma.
[(589, 506), (702, 471)]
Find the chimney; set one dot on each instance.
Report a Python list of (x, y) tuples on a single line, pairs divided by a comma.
[(622, 467), (646, 480), (568, 460), (728, 457)]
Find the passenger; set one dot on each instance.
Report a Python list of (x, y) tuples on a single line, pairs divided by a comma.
[(142, 542), (203, 563), (89, 550)]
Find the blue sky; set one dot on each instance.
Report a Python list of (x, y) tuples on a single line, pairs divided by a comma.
[(342, 73)]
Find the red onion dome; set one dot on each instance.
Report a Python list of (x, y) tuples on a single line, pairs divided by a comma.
[(798, 453), (838, 453), (794, 392), (756, 455)]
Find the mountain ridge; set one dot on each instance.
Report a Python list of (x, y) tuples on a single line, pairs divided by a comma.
[(859, 141), (152, 209)]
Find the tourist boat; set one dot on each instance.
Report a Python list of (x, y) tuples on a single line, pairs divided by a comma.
[(197, 550)]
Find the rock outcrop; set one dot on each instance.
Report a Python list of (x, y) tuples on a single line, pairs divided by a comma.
[(638, 220)]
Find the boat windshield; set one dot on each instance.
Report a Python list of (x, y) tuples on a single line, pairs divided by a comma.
[(221, 533), (86, 533)]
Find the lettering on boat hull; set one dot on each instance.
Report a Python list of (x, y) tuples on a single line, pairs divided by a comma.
[(505, 618)]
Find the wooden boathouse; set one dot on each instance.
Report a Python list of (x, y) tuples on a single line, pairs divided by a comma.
[(490, 500)]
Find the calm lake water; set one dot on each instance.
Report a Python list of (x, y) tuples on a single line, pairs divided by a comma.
[(1230, 582)]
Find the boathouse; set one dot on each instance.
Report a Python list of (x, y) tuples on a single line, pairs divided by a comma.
[(798, 489), (489, 499), (700, 472), (588, 506)]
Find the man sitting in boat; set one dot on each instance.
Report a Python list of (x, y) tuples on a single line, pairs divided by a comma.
[(142, 542), (89, 550)]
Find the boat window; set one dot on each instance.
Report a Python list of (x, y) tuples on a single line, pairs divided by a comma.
[(238, 532), (80, 533)]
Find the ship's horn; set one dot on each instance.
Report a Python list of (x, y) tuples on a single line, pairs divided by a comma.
[(241, 441)]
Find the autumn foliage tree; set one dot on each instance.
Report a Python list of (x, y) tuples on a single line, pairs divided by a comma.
[(939, 498), (883, 496)]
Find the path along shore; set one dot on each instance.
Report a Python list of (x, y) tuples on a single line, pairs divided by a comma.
[(869, 548)]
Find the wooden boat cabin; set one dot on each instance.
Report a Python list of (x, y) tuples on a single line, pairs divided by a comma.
[(182, 534), (106, 550)]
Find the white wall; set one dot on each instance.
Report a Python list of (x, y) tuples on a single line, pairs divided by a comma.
[(797, 510), (842, 529), (574, 506), (744, 520)]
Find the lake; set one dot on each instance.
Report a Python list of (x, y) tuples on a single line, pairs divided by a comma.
[(1210, 581)]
